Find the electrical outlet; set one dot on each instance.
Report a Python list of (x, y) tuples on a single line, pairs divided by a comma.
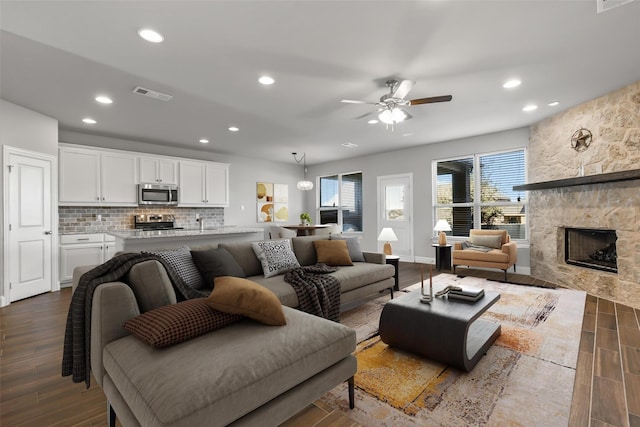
[(197, 217)]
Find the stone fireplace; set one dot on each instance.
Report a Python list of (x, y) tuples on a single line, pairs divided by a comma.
[(614, 120)]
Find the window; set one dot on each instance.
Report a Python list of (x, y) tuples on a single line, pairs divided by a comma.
[(458, 182), (341, 200)]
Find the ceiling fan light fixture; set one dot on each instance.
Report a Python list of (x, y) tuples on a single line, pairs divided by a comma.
[(392, 116)]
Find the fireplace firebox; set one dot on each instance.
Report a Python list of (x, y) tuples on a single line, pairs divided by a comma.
[(591, 248)]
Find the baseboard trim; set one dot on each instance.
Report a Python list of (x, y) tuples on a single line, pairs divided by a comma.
[(526, 271)]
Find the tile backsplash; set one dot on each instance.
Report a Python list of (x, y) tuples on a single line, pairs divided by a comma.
[(78, 219)]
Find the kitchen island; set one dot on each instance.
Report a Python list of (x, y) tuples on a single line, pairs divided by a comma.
[(139, 240)]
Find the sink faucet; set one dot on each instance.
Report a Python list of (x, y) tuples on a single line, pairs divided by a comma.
[(201, 220)]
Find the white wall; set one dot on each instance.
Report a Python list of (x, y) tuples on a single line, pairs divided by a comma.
[(417, 161), (243, 174), (27, 130)]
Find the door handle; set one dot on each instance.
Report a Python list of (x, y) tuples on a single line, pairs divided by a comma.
[(48, 233)]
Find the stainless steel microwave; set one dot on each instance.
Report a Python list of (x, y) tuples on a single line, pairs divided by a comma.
[(157, 194)]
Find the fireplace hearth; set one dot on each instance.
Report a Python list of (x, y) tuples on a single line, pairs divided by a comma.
[(591, 248)]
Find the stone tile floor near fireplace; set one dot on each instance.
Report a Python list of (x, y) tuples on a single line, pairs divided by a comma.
[(606, 393)]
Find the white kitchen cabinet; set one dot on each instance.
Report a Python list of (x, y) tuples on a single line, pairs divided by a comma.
[(97, 177), (118, 179), (79, 176), (157, 170), (83, 249), (109, 247), (204, 184)]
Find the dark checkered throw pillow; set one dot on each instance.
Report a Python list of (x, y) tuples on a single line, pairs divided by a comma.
[(182, 262), (175, 323)]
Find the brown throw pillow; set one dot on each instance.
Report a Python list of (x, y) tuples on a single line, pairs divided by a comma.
[(175, 323), (332, 252), (242, 296)]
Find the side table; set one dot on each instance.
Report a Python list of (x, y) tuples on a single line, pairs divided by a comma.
[(443, 256), (395, 260)]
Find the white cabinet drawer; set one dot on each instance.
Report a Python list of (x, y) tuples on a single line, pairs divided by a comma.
[(71, 239)]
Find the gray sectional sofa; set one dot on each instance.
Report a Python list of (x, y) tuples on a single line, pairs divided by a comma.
[(246, 373)]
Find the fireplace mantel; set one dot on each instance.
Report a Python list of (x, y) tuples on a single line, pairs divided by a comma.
[(582, 180)]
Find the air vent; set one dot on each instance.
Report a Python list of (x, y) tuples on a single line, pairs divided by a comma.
[(604, 5), (152, 94)]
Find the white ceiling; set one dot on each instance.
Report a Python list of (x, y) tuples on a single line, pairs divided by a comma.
[(56, 56)]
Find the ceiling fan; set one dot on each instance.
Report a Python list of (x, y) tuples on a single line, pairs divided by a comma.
[(390, 109)]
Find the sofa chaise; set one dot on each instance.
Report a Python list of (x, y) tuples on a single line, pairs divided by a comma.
[(246, 373)]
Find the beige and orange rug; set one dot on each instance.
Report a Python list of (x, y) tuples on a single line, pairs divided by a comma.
[(525, 379)]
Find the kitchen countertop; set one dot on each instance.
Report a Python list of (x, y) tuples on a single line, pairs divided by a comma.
[(140, 234)]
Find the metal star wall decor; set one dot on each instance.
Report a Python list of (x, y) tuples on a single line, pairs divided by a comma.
[(581, 139)]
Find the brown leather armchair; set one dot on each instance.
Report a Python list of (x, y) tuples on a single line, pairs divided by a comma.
[(486, 248)]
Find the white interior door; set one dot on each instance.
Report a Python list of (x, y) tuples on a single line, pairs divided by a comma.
[(30, 226), (395, 210)]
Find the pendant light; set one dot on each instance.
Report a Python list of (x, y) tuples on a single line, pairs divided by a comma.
[(303, 185)]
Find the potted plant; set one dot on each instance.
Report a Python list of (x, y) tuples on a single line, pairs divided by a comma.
[(305, 218)]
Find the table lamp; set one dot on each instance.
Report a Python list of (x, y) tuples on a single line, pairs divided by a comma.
[(387, 235), (441, 226)]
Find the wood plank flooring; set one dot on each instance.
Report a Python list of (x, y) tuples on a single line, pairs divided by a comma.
[(32, 392)]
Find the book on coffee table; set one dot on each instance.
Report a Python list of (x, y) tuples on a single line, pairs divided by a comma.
[(467, 293)]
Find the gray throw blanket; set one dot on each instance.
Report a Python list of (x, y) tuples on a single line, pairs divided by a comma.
[(469, 245), (77, 335), (318, 293)]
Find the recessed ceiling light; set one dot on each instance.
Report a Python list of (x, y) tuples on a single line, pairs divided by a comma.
[(553, 103), (372, 121), (234, 128), (150, 35), (349, 145), (510, 84), (530, 107), (266, 80), (407, 134), (103, 99), (204, 141), (89, 121)]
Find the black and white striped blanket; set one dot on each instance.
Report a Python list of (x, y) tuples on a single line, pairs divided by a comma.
[(318, 293)]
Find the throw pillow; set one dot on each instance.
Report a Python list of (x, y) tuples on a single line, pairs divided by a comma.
[(214, 263), (276, 256), (242, 296), (181, 261), (353, 246), (488, 241), (175, 323), (332, 252)]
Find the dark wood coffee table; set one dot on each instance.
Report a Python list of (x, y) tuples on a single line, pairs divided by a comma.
[(446, 330)]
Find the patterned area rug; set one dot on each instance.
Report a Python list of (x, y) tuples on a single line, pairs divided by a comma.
[(525, 379)]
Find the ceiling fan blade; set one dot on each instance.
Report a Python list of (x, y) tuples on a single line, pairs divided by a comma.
[(353, 101), (444, 98), (364, 115), (403, 89)]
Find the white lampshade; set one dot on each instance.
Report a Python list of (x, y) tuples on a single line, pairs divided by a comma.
[(392, 116), (387, 235), (442, 225), (304, 185)]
